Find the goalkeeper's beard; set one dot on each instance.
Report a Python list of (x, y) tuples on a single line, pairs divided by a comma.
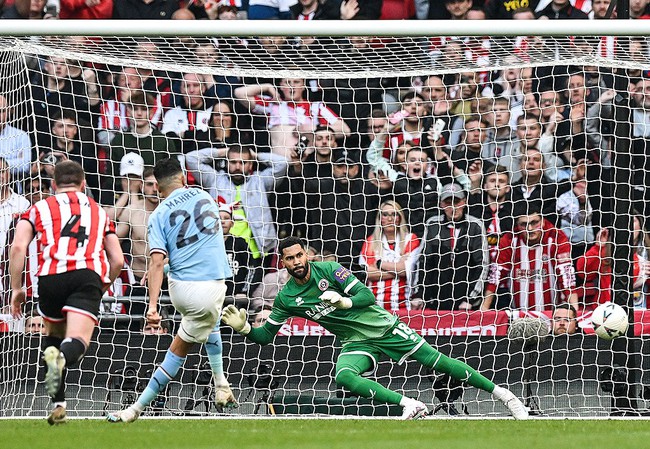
[(302, 274)]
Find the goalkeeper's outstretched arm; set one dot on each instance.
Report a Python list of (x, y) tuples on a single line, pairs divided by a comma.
[(238, 320)]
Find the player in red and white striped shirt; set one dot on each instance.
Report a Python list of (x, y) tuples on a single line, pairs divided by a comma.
[(79, 258), (536, 259)]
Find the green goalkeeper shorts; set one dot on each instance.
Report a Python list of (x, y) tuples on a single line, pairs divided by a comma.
[(399, 343)]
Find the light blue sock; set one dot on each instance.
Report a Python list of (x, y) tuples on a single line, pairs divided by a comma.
[(161, 377), (214, 348)]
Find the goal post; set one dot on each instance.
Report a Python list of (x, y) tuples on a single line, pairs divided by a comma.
[(310, 98)]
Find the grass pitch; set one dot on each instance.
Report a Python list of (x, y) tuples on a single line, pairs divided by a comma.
[(326, 434)]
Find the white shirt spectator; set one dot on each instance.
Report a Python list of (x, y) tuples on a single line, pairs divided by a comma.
[(16, 149)]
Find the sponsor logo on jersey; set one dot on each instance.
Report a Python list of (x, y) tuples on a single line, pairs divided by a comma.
[(341, 274), (323, 285), (299, 301)]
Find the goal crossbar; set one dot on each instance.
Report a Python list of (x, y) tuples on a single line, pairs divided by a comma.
[(414, 28)]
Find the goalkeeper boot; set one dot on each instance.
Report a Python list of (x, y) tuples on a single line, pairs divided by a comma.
[(55, 363), (516, 407), (415, 410), (223, 396), (57, 416), (127, 415)]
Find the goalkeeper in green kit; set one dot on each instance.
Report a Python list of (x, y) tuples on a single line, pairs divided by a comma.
[(330, 295)]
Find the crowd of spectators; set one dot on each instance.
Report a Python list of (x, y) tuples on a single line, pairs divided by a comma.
[(472, 190)]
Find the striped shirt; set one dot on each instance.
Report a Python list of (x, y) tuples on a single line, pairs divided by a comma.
[(70, 230), (295, 113), (392, 294), (538, 274)]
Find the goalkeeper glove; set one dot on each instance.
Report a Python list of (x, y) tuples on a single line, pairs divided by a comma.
[(336, 300), (237, 319)]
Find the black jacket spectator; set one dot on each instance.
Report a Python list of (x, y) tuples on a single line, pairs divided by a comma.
[(418, 199), (139, 10), (566, 12), (446, 277)]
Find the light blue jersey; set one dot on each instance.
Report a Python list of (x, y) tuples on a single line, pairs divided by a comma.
[(186, 227)]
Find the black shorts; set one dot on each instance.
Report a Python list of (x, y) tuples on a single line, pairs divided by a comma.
[(78, 291)]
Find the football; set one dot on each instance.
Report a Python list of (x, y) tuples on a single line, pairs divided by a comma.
[(610, 321)]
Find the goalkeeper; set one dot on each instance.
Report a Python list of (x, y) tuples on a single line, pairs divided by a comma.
[(329, 294)]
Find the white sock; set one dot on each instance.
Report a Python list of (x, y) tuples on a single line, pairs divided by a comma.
[(406, 401), (61, 404), (500, 392), (137, 407)]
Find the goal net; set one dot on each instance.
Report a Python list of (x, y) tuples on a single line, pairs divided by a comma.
[(450, 174)]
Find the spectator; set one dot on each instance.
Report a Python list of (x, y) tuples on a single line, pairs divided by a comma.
[(144, 9), (342, 210), (247, 271), (189, 121), (594, 268), (471, 148), (502, 147), (575, 212), (34, 324), (494, 207), (529, 135), (289, 113), (374, 126), (11, 204), (224, 129), (565, 319), (86, 9), (271, 284), (504, 9), (313, 161), (261, 316), (253, 221), (561, 9), (454, 259), (410, 121), (536, 258), (15, 146), (139, 185), (143, 138), (329, 10), (114, 115), (67, 144), (458, 9), (417, 192), (389, 256), (534, 185), (52, 92), (25, 9)]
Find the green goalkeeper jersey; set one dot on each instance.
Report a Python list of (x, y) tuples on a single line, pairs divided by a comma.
[(365, 320)]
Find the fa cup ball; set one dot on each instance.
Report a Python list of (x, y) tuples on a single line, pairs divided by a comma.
[(610, 321)]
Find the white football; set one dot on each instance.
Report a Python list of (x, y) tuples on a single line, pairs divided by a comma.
[(610, 321)]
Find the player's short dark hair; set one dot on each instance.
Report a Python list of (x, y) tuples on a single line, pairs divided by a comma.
[(290, 241), (68, 173), (167, 168)]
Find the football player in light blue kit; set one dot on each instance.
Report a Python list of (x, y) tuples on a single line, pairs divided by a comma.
[(185, 227)]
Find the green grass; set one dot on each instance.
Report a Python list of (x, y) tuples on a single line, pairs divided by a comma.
[(326, 434)]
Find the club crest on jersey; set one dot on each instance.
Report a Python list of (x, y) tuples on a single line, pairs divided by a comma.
[(323, 285), (341, 274)]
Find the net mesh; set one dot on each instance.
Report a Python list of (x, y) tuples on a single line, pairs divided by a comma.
[(348, 134)]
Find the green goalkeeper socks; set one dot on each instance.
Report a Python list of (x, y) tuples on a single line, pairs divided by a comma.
[(366, 388), (463, 372)]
